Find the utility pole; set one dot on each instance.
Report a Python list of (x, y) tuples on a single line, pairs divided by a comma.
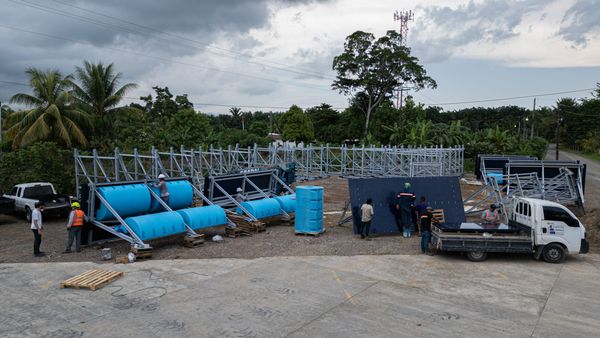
[(404, 17), (558, 118), (532, 119)]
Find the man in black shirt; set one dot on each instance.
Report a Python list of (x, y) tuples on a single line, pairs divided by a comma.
[(426, 220)]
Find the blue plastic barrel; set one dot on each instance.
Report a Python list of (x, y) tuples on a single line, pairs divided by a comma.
[(203, 217), (181, 196), (309, 209), (127, 200), (287, 202), (158, 225), (267, 207), (497, 176)]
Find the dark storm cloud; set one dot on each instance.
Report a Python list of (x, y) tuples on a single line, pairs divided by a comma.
[(106, 30), (580, 19), (488, 21)]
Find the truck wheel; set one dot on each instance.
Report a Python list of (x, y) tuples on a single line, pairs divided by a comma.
[(476, 256), (554, 253), (28, 214)]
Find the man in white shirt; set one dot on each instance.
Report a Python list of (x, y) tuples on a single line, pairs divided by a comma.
[(366, 215), (36, 228)]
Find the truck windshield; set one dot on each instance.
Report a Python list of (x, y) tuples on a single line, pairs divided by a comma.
[(558, 214), (38, 191)]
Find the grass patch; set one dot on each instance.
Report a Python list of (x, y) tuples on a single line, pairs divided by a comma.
[(591, 156)]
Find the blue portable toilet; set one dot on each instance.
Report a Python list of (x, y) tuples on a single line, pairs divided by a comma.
[(309, 210)]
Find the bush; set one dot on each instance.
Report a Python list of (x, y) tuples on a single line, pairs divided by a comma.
[(40, 162)]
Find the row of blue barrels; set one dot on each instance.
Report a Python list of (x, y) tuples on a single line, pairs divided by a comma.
[(169, 223), (309, 210), (135, 199), (131, 200), (269, 207)]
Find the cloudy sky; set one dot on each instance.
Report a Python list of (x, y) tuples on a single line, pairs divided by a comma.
[(275, 53)]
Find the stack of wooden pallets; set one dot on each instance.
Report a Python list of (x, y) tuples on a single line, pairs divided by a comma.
[(438, 216), (192, 241), (242, 222), (142, 253), (236, 232), (91, 279)]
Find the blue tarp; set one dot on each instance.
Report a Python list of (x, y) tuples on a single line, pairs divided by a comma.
[(441, 193)]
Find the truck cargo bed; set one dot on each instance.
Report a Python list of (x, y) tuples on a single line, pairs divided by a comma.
[(474, 240)]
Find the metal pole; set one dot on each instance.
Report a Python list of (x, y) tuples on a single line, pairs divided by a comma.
[(532, 118)]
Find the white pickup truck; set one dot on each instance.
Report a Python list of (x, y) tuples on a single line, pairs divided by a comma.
[(546, 229), (28, 194)]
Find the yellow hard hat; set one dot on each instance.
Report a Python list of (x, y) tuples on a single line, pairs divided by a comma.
[(75, 205)]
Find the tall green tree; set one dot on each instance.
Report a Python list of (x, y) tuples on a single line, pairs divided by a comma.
[(53, 115), (325, 121), (99, 94), (376, 67), (296, 125)]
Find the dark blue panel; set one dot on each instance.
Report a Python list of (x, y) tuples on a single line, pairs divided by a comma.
[(441, 193)]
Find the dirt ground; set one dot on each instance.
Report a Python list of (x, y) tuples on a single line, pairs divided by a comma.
[(16, 240)]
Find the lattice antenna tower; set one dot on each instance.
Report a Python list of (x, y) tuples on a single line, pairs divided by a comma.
[(404, 17)]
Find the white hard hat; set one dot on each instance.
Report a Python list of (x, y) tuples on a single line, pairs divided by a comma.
[(239, 190), (161, 176)]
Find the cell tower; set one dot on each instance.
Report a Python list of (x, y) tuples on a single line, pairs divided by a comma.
[(404, 17)]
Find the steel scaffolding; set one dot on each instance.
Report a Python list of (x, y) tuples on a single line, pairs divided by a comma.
[(312, 162)]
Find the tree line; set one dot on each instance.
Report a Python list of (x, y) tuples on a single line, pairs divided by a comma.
[(86, 110)]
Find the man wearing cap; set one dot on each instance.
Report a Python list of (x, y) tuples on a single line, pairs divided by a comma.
[(162, 185), (76, 219), (240, 197), (426, 219), (406, 201)]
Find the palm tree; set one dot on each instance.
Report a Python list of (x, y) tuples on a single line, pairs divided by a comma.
[(397, 132), (54, 114), (98, 94)]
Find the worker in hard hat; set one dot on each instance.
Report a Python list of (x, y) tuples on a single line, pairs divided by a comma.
[(406, 203), (240, 196), (162, 185), (76, 219)]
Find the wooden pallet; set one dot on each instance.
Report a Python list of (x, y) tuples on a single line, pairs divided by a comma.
[(438, 215), (192, 241), (236, 232), (250, 226), (142, 253), (315, 234), (91, 279)]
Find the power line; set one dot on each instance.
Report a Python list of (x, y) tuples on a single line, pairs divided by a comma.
[(341, 108), (129, 30), (510, 98), (163, 59)]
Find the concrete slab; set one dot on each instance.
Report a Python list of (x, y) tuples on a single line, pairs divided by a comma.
[(362, 296)]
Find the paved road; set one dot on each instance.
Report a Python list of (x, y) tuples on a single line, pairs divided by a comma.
[(360, 296), (592, 190), (593, 167)]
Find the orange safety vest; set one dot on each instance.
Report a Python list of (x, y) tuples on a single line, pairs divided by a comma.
[(490, 216), (78, 218)]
